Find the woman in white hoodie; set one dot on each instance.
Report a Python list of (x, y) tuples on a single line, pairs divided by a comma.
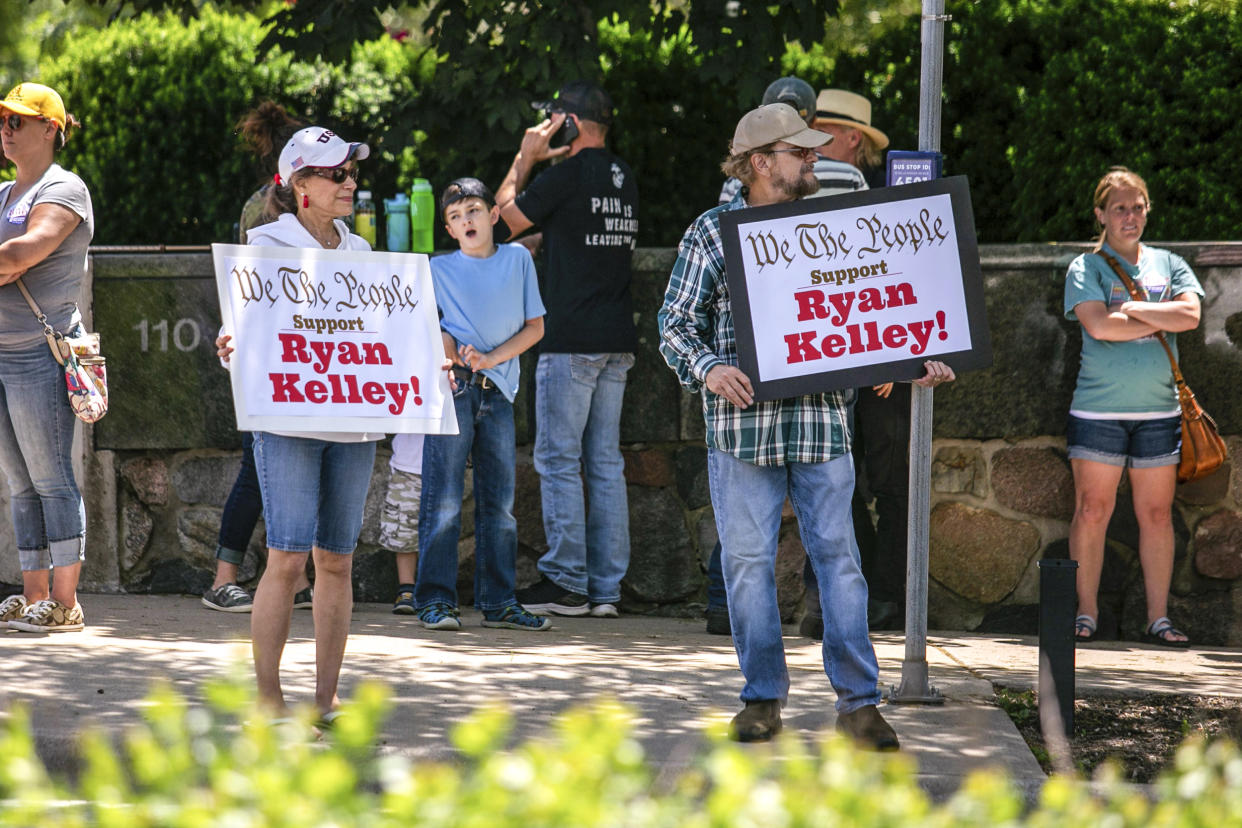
[(314, 484)]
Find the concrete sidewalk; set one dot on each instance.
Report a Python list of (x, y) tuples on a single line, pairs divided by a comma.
[(675, 677)]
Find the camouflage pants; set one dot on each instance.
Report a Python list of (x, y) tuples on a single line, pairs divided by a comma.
[(399, 519)]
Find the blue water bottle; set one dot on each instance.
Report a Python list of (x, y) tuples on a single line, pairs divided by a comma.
[(397, 211)]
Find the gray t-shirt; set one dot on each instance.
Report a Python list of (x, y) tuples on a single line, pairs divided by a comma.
[(56, 282)]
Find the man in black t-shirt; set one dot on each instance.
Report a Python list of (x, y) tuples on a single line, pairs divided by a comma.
[(587, 207)]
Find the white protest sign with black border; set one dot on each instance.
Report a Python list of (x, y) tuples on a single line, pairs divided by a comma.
[(856, 289), (333, 340)]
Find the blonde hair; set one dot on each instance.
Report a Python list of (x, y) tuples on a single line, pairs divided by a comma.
[(868, 153), (1117, 178)]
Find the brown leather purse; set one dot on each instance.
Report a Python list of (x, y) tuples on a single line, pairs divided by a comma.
[(1203, 450)]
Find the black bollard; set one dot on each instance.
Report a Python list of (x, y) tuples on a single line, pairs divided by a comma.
[(1058, 604)]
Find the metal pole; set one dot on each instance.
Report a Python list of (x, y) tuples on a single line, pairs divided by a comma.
[(914, 686)]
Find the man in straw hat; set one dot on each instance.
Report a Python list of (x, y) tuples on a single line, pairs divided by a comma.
[(760, 452), (882, 414), (856, 144)]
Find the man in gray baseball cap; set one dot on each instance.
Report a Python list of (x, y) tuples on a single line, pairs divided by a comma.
[(760, 452)]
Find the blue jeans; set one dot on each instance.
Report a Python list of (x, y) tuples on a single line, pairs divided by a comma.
[(242, 509), (314, 491), (36, 453), (485, 431), (747, 501), (578, 433)]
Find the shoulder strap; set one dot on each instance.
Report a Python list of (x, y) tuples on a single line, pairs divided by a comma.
[(1139, 295)]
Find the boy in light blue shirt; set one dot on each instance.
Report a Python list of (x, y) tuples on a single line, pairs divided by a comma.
[(491, 313)]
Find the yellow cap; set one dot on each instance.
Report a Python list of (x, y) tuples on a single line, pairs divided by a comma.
[(36, 100)]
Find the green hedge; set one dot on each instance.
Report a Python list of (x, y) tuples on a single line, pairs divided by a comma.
[(1040, 97), (225, 765), (159, 99)]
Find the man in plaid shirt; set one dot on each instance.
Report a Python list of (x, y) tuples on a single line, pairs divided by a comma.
[(760, 452)]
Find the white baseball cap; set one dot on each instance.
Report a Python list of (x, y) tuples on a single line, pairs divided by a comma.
[(316, 147)]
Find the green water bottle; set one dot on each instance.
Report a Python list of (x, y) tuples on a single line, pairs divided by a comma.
[(364, 217), (422, 216)]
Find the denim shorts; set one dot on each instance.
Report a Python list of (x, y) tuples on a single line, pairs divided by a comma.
[(1139, 444), (313, 491)]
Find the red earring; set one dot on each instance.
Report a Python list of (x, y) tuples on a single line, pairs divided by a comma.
[(305, 200)]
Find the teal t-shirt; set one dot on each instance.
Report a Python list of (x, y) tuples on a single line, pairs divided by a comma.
[(1120, 378), (484, 302)]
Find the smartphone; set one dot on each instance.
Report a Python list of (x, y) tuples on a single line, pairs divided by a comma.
[(566, 134)]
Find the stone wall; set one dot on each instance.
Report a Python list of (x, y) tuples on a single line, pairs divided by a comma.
[(158, 469)]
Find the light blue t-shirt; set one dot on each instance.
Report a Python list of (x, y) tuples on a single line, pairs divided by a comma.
[(1126, 378), (484, 302)]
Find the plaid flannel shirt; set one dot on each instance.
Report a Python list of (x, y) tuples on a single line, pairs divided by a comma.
[(696, 335)]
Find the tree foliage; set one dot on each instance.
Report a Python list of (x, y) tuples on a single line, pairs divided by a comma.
[(159, 99), (1037, 104)]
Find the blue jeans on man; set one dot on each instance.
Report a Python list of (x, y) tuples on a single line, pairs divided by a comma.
[(578, 405), (747, 501), (486, 432)]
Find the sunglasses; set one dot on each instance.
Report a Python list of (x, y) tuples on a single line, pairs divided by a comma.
[(15, 121), (798, 150), (336, 175)]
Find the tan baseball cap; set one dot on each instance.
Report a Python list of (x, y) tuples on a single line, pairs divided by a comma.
[(775, 122)]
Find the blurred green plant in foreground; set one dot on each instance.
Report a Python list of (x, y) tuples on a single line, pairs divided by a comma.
[(226, 765)]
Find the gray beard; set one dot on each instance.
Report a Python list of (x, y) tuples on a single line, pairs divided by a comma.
[(798, 187)]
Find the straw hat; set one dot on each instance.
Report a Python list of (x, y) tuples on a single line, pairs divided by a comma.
[(836, 106)]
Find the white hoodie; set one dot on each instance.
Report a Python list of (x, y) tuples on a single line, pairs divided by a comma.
[(287, 231)]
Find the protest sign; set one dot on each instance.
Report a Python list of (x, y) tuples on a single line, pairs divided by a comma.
[(333, 340), (857, 289)]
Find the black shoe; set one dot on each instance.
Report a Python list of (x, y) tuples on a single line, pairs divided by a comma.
[(812, 626), (546, 598), (867, 728), (718, 621), (759, 721)]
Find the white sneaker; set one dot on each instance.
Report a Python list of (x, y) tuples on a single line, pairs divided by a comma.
[(604, 611), (11, 609)]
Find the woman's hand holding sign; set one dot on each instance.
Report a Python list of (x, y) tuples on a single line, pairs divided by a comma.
[(729, 382)]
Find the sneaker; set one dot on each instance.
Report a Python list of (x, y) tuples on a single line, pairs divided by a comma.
[(516, 617), (304, 599), (440, 617), (49, 617), (867, 728), (604, 611), (228, 598), (718, 621), (759, 721), (11, 609), (404, 605), (546, 598)]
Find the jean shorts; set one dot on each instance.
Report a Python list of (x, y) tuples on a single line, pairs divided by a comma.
[(1139, 444), (314, 491)]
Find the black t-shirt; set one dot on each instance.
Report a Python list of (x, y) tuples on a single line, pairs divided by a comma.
[(587, 208)]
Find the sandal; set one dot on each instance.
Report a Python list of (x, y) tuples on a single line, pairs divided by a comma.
[(1084, 629), (1160, 631)]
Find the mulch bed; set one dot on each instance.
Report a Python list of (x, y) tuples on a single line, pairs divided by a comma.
[(1140, 733)]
